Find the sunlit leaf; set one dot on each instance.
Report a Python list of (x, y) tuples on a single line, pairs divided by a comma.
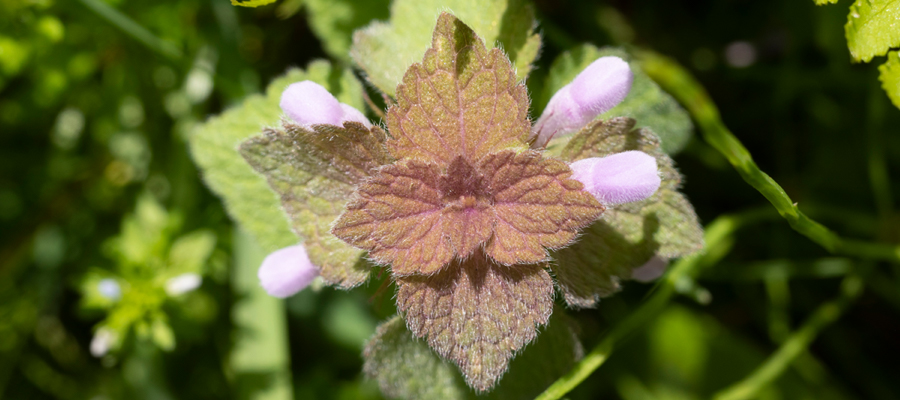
[(646, 102), (462, 100), (871, 28), (536, 204), (386, 50), (252, 3), (246, 194), (477, 313), (823, 2), (890, 77), (627, 235), (314, 175), (190, 252)]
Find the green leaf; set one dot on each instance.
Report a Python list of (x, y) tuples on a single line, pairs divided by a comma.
[(627, 235), (890, 77), (824, 2), (871, 28), (334, 21), (190, 252), (406, 368), (385, 50), (646, 102), (313, 190), (246, 194), (252, 3)]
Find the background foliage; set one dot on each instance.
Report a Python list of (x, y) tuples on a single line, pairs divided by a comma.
[(100, 98)]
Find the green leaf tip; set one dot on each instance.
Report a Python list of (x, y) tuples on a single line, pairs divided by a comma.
[(384, 50), (252, 3), (890, 77), (824, 2), (871, 28)]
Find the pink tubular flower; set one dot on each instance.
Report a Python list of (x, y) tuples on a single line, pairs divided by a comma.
[(618, 178), (650, 271), (597, 89), (287, 271), (308, 103)]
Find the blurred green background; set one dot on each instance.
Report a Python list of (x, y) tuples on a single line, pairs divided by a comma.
[(102, 209)]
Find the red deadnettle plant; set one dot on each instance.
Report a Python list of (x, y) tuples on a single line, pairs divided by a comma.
[(475, 220)]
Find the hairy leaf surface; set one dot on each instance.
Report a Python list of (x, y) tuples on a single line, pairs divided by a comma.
[(385, 50), (462, 100), (627, 235), (536, 204), (314, 179), (477, 313), (406, 368), (246, 194), (871, 28)]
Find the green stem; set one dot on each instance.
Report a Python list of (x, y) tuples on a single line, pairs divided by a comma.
[(678, 81), (132, 28), (718, 234), (795, 345), (261, 348)]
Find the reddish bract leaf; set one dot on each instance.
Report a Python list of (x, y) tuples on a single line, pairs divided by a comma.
[(477, 313), (536, 206), (462, 100), (403, 218)]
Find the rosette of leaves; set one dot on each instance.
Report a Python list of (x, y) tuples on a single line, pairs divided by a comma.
[(470, 221), (154, 269)]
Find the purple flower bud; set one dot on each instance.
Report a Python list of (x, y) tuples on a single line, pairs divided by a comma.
[(597, 89), (618, 178), (287, 271), (308, 103), (650, 271)]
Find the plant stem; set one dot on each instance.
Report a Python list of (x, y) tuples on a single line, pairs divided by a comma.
[(795, 345), (678, 82), (718, 234), (132, 28)]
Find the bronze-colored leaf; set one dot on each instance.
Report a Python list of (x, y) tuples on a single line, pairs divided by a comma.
[(477, 313), (311, 201), (402, 217), (536, 206), (629, 234), (462, 100)]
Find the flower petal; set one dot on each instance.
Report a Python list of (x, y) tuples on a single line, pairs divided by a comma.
[(651, 270), (287, 271), (596, 90), (309, 103), (183, 283), (352, 114), (618, 178)]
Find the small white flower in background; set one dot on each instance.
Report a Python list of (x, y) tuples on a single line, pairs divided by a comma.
[(110, 289), (103, 341), (618, 178), (650, 271), (287, 271), (308, 103), (183, 283), (596, 90)]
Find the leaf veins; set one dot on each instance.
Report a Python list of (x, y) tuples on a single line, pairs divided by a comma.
[(462, 100), (313, 180), (477, 313)]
